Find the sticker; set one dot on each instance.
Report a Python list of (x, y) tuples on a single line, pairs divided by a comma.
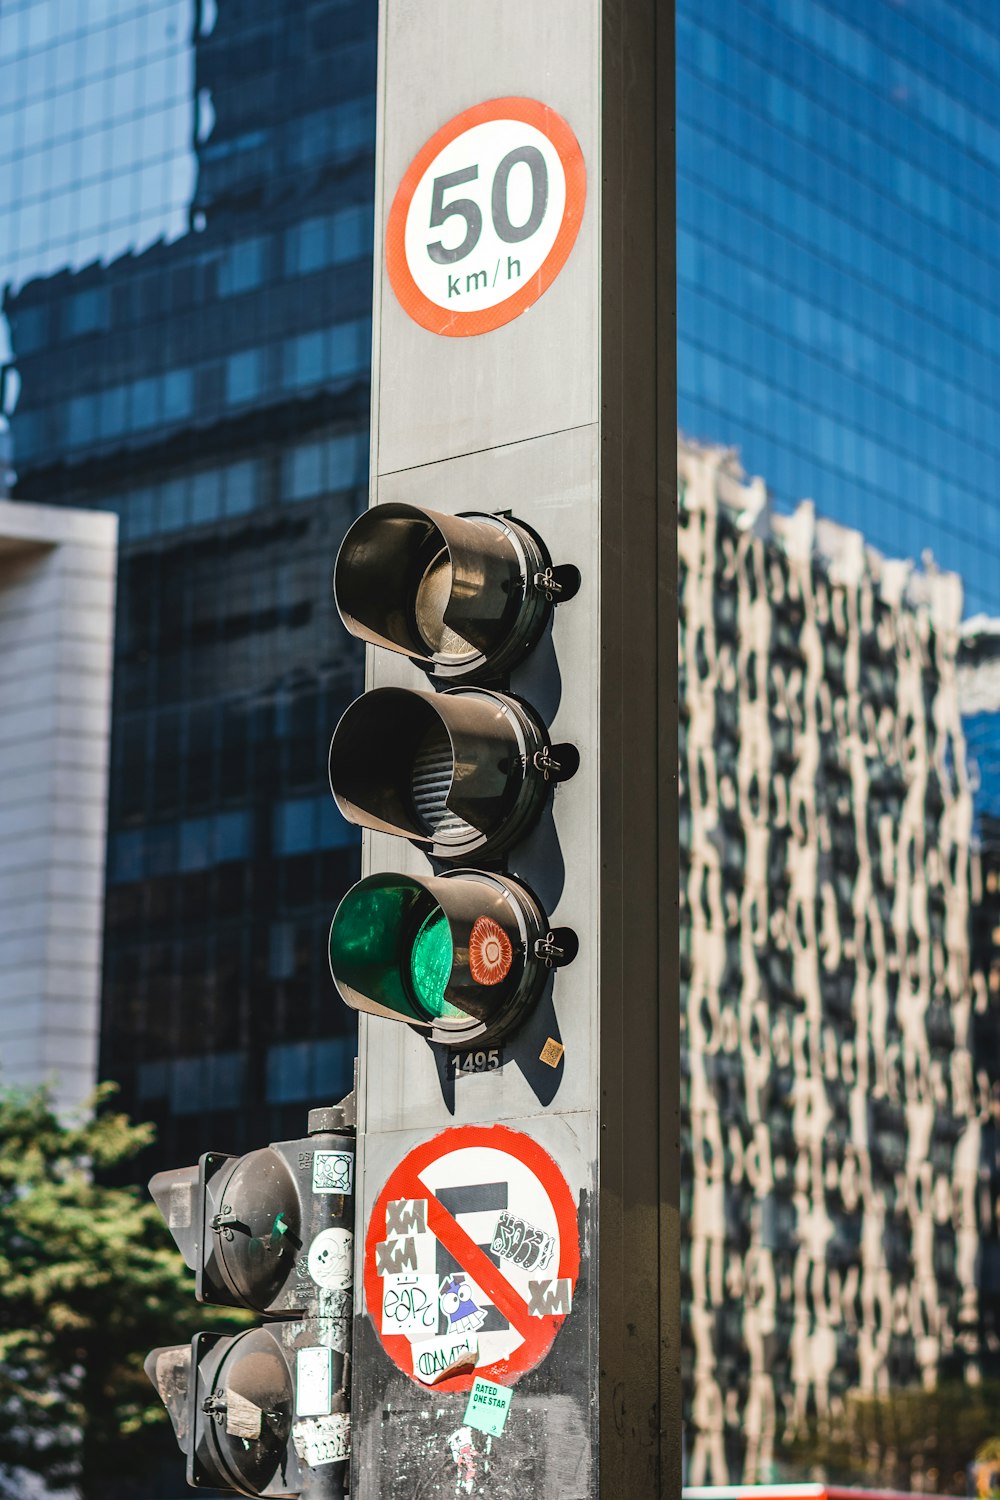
[(179, 1209), (552, 1052), (323, 1440), (406, 1216), (333, 1318), (459, 1305), (330, 1256), (333, 1172), (313, 1382), (410, 1306), (412, 1252), (548, 1299), (463, 1453), (523, 1244), (476, 1188), (485, 216), (435, 1359), (488, 1407), (243, 1417)]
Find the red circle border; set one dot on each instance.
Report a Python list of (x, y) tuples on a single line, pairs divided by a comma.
[(531, 1155), (455, 324)]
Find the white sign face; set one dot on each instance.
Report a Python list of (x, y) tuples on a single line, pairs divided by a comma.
[(485, 217)]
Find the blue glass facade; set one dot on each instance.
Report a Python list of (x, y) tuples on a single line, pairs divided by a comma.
[(185, 235), (839, 311)]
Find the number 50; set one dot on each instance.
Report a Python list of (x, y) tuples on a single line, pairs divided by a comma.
[(469, 210)]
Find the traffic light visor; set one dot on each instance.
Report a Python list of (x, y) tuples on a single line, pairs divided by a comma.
[(456, 772), (457, 594), (445, 953)]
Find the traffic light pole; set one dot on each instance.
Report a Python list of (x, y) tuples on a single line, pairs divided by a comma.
[(517, 1263)]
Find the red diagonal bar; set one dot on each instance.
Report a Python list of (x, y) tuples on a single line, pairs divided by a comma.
[(484, 1273)]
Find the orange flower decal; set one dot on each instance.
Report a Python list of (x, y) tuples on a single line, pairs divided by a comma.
[(490, 952)]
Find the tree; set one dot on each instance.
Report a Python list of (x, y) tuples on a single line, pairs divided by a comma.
[(911, 1439), (90, 1281)]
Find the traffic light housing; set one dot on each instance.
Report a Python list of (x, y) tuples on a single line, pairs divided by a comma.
[(465, 597), (238, 1408), (463, 773), (266, 1411)]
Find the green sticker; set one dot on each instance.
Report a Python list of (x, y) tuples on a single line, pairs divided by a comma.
[(488, 1407)]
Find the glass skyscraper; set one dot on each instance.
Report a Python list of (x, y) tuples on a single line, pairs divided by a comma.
[(838, 219), (186, 208), (186, 196)]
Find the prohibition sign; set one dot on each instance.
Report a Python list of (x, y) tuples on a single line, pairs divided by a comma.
[(482, 1217), (485, 216)]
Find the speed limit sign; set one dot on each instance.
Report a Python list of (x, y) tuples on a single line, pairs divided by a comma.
[(485, 216)]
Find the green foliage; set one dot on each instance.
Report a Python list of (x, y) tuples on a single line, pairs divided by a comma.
[(912, 1439), (90, 1281)]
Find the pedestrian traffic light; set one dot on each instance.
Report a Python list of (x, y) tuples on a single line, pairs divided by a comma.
[(462, 773), (238, 1222), (239, 1408), (266, 1411)]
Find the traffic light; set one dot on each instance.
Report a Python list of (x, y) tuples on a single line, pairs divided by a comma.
[(266, 1411), (465, 597), (463, 773)]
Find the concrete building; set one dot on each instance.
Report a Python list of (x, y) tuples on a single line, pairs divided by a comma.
[(57, 603), (834, 1113)]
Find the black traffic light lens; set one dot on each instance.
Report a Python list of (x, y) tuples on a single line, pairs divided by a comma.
[(454, 953), (252, 1396), (466, 597), (261, 1236), (462, 772), (431, 780)]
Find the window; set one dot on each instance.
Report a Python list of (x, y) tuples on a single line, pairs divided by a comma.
[(30, 329), (243, 376), (81, 421), (295, 826), (304, 471), (309, 1070), (113, 418), (205, 496), (338, 463), (304, 359), (241, 485), (241, 267), (145, 404), (86, 312), (177, 394)]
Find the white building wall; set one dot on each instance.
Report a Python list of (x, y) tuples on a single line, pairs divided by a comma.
[(57, 604)]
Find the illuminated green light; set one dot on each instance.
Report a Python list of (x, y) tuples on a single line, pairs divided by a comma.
[(430, 966)]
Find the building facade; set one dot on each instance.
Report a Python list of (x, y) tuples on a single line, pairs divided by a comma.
[(57, 615), (838, 1077)]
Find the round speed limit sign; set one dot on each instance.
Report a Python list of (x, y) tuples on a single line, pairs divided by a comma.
[(485, 216)]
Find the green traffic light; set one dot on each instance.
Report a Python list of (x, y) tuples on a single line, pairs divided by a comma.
[(431, 959)]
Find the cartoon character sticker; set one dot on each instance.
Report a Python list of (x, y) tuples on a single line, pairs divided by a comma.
[(458, 1306)]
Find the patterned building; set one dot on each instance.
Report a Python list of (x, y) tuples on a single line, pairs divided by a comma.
[(834, 1110)]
